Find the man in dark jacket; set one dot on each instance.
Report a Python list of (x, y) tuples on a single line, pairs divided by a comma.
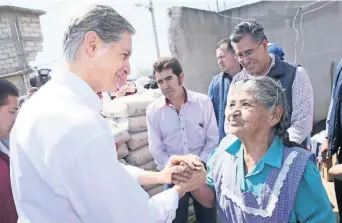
[(219, 86), (333, 133), (250, 45), (8, 112)]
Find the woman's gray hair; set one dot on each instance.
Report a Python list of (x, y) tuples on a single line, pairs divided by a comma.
[(270, 94), (104, 20)]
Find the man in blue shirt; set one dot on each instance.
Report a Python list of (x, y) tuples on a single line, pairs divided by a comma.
[(219, 86)]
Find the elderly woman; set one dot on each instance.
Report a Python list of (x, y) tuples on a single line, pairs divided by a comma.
[(258, 175)]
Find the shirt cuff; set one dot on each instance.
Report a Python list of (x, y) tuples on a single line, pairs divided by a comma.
[(164, 205), (133, 171)]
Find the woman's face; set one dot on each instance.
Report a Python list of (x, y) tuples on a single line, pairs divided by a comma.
[(246, 116)]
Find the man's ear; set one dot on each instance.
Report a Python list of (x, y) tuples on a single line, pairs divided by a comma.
[(181, 78), (92, 43)]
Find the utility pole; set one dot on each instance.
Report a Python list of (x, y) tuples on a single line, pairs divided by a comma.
[(217, 6), (151, 9)]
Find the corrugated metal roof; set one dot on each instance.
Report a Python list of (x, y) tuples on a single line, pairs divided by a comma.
[(21, 9)]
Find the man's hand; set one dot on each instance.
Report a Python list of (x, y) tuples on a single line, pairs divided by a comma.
[(324, 150), (197, 179), (194, 162), (169, 172)]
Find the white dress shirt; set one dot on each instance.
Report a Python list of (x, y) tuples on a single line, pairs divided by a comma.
[(64, 166)]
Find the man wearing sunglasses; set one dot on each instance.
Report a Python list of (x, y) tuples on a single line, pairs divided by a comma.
[(250, 44)]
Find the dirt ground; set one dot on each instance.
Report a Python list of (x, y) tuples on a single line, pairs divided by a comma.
[(329, 186)]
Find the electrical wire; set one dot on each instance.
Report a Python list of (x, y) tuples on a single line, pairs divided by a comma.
[(301, 25)]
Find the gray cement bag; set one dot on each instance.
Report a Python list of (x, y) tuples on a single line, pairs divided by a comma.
[(137, 140), (122, 151), (150, 166), (131, 124), (119, 132), (139, 157), (128, 106)]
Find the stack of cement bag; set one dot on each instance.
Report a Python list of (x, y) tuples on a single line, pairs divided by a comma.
[(127, 119)]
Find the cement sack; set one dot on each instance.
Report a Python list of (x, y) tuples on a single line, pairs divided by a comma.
[(132, 124), (153, 93), (122, 151), (137, 124), (155, 190), (150, 166), (139, 157), (128, 106), (119, 132), (137, 140), (149, 187)]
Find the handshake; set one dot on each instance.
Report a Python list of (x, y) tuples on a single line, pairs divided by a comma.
[(186, 172)]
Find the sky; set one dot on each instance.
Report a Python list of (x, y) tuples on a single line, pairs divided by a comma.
[(58, 13)]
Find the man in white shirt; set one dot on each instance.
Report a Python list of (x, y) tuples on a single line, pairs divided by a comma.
[(63, 161)]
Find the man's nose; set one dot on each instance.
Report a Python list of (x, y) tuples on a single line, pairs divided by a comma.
[(127, 68)]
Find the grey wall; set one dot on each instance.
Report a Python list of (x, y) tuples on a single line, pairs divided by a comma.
[(194, 33), (193, 38)]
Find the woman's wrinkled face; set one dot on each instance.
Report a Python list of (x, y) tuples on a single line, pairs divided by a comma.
[(246, 116)]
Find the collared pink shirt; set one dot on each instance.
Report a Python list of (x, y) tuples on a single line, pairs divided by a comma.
[(191, 130)]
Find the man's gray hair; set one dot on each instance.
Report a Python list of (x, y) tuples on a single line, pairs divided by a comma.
[(104, 20), (248, 28), (270, 94)]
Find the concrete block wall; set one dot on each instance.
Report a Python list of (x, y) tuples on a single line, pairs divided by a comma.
[(20, 41), (194, 33), (5, 29), (9, 60), (30, 31)]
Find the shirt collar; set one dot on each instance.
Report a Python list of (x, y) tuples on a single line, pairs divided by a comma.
[(273, 157), (82, 90), (189, 97), (4, 149)]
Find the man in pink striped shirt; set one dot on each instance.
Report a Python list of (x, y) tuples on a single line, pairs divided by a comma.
[(181, 122)]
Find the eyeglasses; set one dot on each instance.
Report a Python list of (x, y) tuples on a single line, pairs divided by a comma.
[(247, 53)]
